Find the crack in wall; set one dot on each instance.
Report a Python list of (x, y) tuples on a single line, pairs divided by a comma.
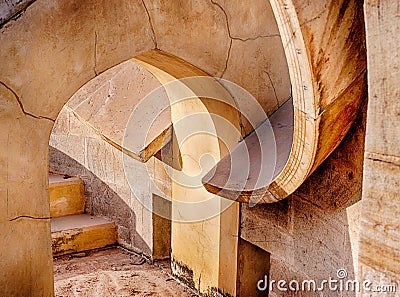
[(235, 37), (16, 11), (228, 57), (273, 87), (22, 106), (381, 157), (319, 15), (255, 37), (28, 217), (95, 54), (229, 34), (154, 37)]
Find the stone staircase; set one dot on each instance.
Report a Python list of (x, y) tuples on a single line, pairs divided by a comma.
[(72, 230)]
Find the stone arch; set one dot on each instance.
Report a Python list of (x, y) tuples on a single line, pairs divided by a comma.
[(47, 54), (51, 49)]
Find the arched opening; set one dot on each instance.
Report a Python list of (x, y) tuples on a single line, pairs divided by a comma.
[(88, 124), (92, 204), (87, 142), (52, 50), (47, 54)]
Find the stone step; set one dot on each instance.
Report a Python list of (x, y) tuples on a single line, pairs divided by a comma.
[(67, 195), (77, 233)]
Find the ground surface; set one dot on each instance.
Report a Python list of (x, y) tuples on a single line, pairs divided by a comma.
[(114, 272)]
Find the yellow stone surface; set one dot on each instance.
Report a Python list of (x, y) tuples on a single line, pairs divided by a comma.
[(204, 250), (54, 47), (67, 196), (78, 233)]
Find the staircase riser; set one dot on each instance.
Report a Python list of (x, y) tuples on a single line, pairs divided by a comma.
[(83, 239), (67, 200)]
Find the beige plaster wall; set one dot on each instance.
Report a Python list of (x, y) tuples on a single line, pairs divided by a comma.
[(47, 54), (236, 40), (54, 48)]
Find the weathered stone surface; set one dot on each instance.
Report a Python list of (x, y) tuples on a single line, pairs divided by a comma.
[(15, 278), (256, 47), (317, 244), (161, 227), (77, 145), (63, 45), (382, 284), (243, 44), (24, 206), (315, 232), (337, 183), (326, 102), (67, 196), (178, 31), (107, 190), (270, 228), (269, 84), (196, 228), (47, 54), (54, 48), (77, 233), (280, 270), (322, 245), (383, 109), (253, 266), (246, 173), (379, 235), (323, 112), (12, 9), (57, 141), (124, 94)]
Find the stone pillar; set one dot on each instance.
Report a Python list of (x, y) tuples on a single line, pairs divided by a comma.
[(380, 234), (205, 227), (25, 249)]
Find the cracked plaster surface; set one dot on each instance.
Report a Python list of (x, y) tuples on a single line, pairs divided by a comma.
[(21, 105)]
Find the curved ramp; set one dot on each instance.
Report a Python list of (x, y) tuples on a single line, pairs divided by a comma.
[(324, 47)]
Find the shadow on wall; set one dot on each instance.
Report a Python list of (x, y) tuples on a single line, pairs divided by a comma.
[(314, 233), (102, 200)]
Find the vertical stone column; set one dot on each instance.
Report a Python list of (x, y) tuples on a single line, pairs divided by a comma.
[(380, 234), (205, 227), (25, 244)]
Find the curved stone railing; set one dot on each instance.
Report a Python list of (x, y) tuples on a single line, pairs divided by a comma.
[(324, 47)]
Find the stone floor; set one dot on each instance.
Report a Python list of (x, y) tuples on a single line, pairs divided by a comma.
[(114, 272)]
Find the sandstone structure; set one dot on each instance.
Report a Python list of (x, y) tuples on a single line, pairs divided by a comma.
[(75, 79)]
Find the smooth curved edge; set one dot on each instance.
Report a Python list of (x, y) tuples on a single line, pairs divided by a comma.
[(316, 133), (264, 157), (305, 103)]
